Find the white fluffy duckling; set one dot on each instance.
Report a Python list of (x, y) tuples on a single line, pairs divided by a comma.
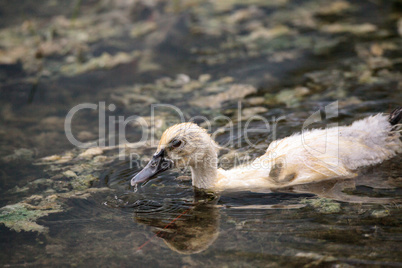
[(311, 156)]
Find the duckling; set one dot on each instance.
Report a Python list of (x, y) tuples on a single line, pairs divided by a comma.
[(310, 156)]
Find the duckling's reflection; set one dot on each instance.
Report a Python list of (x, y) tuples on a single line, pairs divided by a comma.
[(337, 190), (194, 227)]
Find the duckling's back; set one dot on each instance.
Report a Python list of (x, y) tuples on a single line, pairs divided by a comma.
[(321, 154)]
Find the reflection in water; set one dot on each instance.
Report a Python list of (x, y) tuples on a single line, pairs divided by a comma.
[(193, 229), (337, 190), (191, 225)]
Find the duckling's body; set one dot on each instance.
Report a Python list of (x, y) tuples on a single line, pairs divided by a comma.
[(310, 156), (317, 155)]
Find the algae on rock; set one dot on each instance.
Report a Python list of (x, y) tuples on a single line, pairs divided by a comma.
[(22, 216), (323, 205)]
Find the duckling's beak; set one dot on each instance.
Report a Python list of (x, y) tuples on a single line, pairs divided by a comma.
[(157, 165)]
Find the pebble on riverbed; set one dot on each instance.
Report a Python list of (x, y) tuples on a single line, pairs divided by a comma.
[(22, 154), (323, 205)]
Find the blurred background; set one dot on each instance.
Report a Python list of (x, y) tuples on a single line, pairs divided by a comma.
[(278, 58)]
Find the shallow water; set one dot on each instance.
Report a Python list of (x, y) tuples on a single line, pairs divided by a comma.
[(299, 56)]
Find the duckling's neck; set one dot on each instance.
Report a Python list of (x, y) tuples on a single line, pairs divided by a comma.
[(204, 172)]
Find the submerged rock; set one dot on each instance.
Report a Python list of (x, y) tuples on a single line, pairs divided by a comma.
[(323, 205), (235, 92), (22, 154), (399, 26), (357, 29), (335, 7), (91, 152), (380, 213), (22, 216), (290, 97), (250, 112), (69, 174), (105, 61)]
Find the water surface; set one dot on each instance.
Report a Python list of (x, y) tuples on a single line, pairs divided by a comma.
[(299, 56)]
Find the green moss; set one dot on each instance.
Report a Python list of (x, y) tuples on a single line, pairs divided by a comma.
[(16, 212), (323, 205), (83, 182), (22, 216), (19, 218)]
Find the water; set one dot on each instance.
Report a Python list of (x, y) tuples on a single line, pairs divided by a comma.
[(80, 210)]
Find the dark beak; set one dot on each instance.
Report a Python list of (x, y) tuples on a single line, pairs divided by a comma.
[(157, 165)]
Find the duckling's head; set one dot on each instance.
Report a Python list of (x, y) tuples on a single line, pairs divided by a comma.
[(181, 145)]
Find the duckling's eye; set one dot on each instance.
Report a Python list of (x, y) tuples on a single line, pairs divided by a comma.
[(176, 143)]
